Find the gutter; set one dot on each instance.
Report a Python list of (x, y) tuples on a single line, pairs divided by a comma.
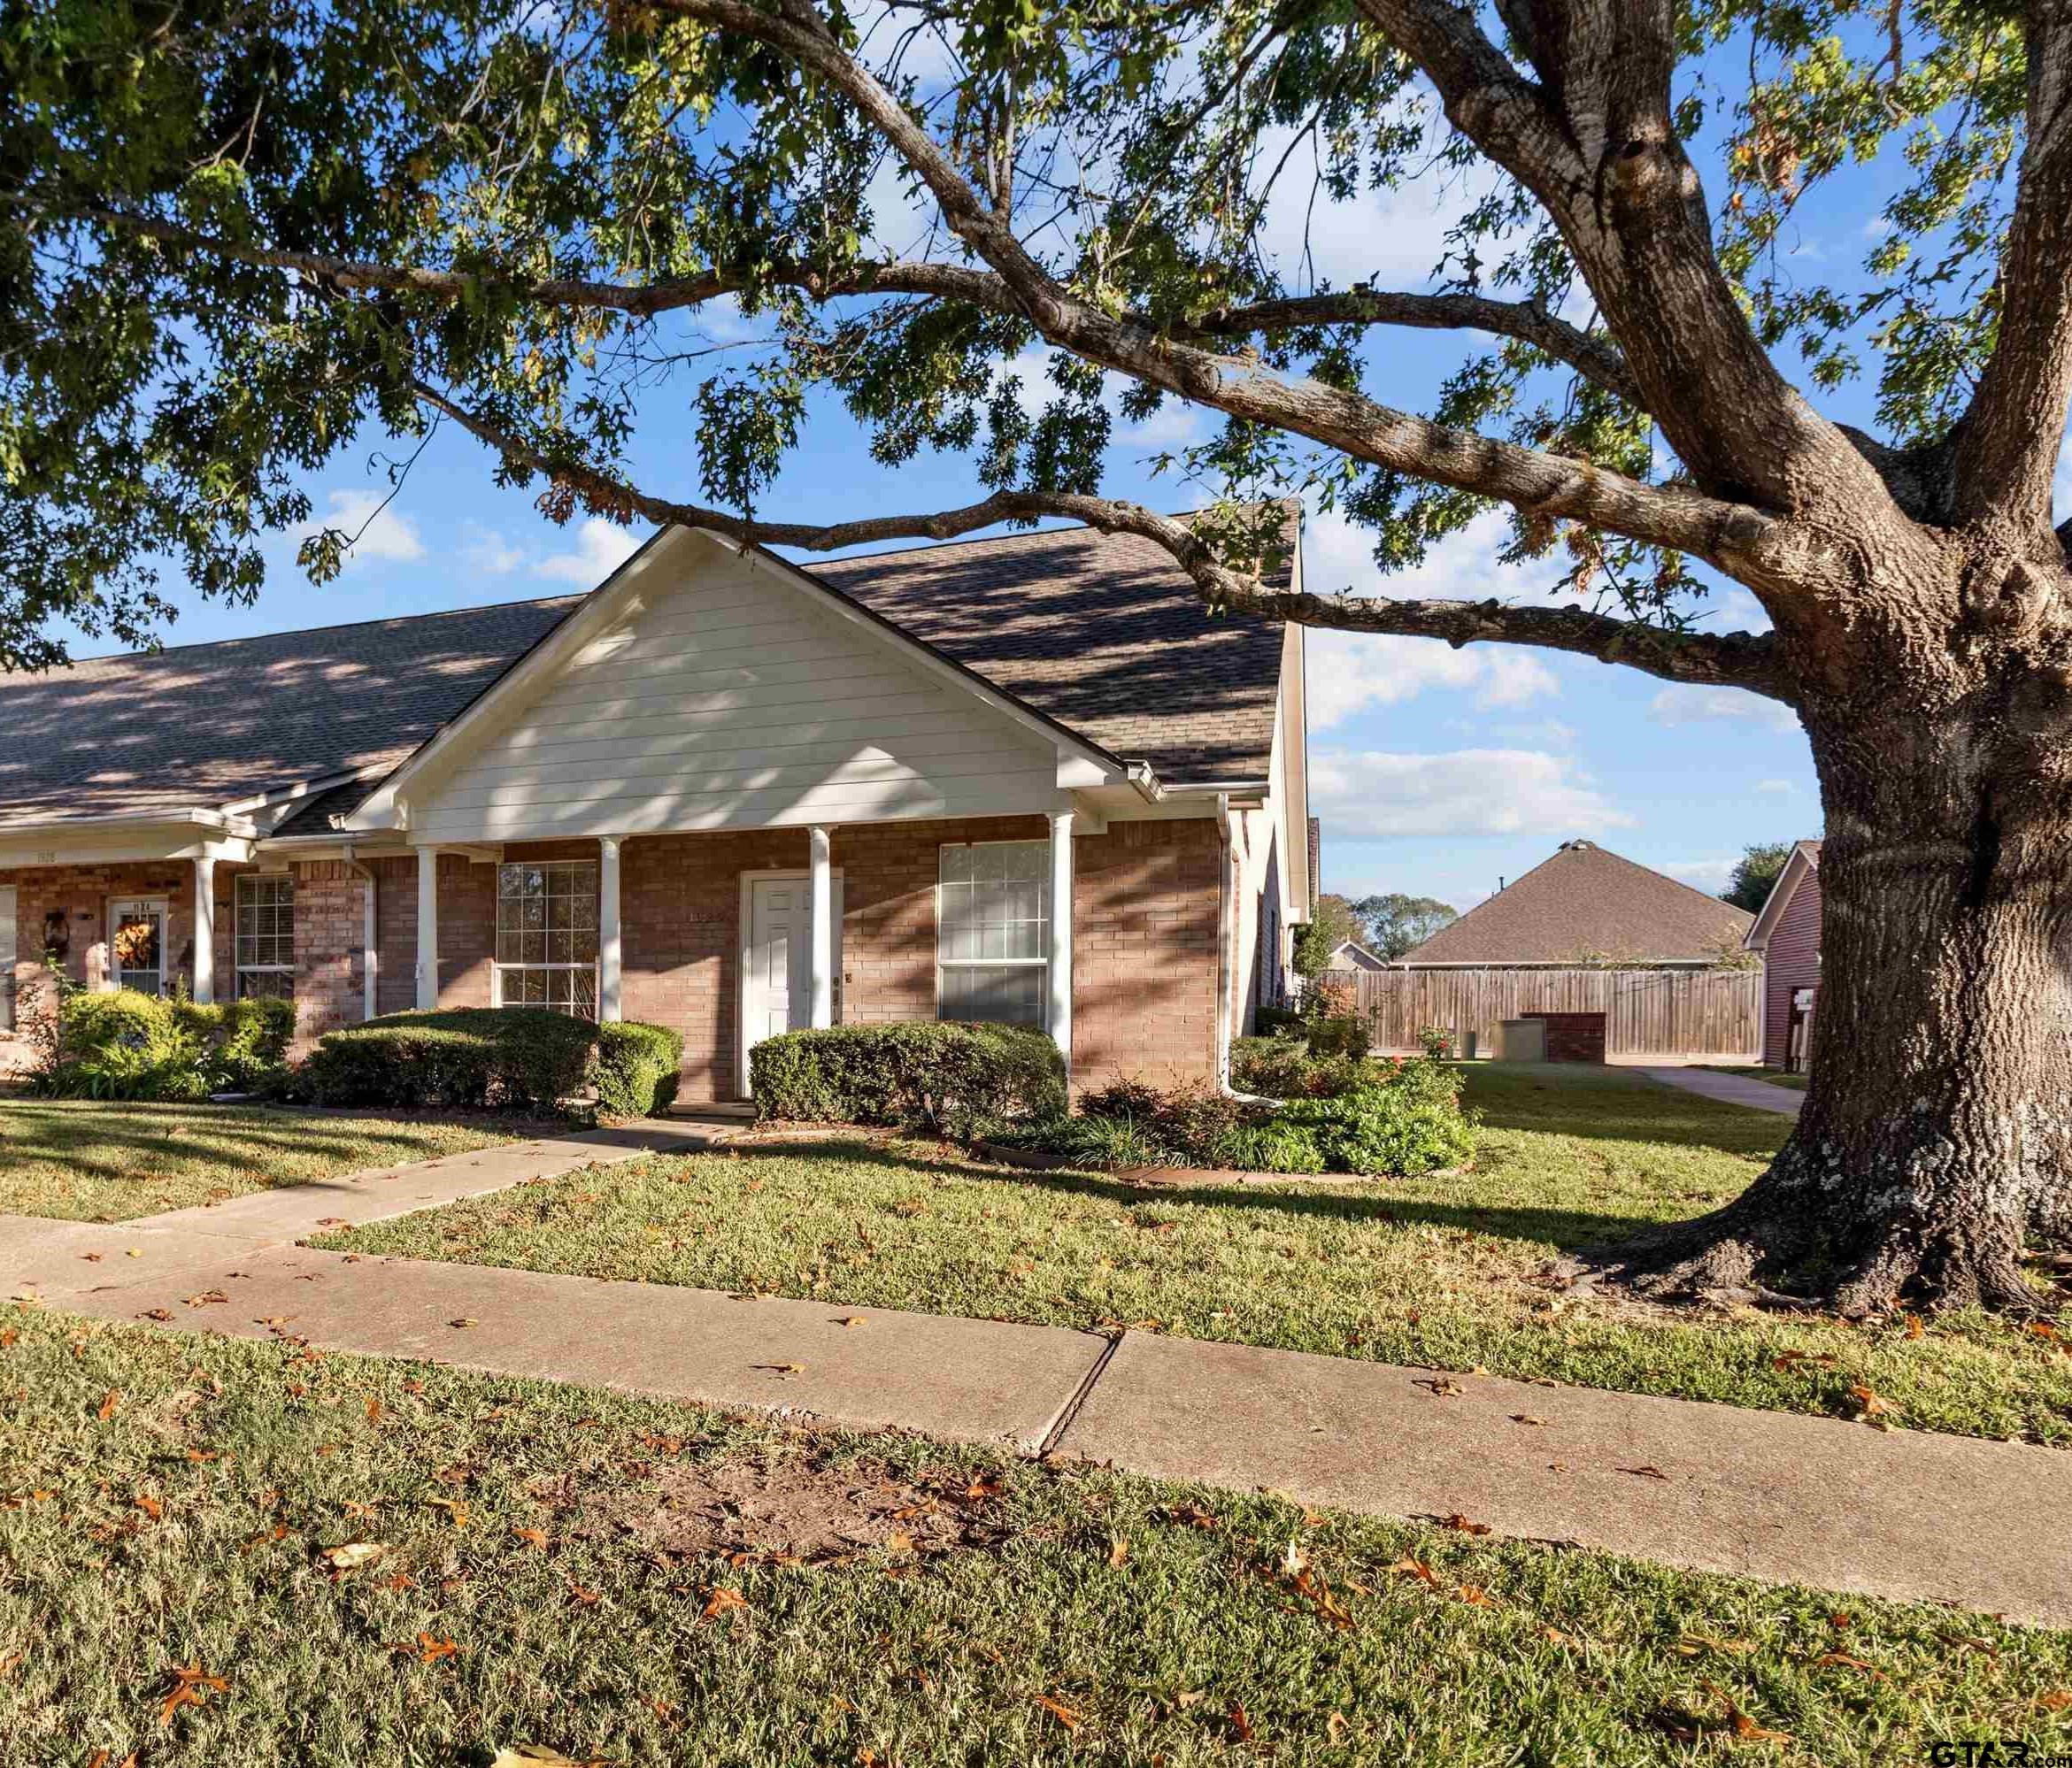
[(194, 816)]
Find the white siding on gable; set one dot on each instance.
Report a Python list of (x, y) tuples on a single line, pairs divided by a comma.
[(730, 701)]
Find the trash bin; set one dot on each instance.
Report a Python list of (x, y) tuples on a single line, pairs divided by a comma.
[(1467, 1041), (1522, 1040)]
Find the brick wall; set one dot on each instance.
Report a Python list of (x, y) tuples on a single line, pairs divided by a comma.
[(77, 896), (1574, 1037), (330, 927), (1791, 961)]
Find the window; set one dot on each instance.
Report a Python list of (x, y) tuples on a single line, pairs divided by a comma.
[(547, 937), (266, 936), (993, 932)]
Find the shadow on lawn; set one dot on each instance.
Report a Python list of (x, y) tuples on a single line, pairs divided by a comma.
[(1304, 1199), (146, 1143), (1613, 1104)]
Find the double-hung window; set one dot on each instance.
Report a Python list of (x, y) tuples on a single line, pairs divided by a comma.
[(993, 932), (265, 908), (547, 936)]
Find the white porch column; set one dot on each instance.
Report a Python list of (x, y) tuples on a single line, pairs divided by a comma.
[(1059, 1003), (205, 932), (427, 928), (609, 994), (822, 903)]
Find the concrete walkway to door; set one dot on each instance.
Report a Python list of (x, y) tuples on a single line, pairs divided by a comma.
[(1717, 1488)]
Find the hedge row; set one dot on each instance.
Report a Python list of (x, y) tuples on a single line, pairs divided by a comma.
[(127, 1045), (956, 1078), (513, 1058)]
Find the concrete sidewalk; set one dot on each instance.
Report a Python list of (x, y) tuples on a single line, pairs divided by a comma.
[(1731, 1089), (1716, 1488)]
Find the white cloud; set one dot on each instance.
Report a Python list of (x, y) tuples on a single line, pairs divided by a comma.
[(384, 533), (1370, 796), (488, 553), (1781, 788), (1694, 705), (601, 547), (1704, 874)]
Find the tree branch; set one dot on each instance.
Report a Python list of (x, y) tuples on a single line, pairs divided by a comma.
[(2007, 444), (1735, 659), (1593, 357)]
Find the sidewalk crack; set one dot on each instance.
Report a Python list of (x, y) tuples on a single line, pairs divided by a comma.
[(1070, 1409)]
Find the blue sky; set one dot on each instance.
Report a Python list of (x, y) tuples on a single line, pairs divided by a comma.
[(1437, 772)]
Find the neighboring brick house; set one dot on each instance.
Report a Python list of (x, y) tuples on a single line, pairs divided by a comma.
[(1027, 779), (1787, 933)]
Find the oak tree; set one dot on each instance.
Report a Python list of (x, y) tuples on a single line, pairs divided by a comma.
[(237, 234)]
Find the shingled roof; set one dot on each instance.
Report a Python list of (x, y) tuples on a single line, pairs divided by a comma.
[(1101, 633), (1584, 901)]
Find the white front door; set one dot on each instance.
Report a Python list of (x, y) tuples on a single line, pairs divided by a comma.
[(776, 969), (137, 944), (7, 957)]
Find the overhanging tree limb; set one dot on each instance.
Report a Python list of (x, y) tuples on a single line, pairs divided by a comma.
[(1732, 659)]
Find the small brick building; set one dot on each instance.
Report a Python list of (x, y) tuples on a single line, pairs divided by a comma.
[(1026, 780)]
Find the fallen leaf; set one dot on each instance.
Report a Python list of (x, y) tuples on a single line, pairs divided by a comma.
[(1841, 1660), (1441, 1387), (1870, 1405), (856, 1320), (156, 1314), (1060, 1711), (1466, 1526), (539, 1756), (1241, 1723), (1650, 1472), (1791, 1359), (1915, 1328), (205, 1298), (153, 1508), (455, 1509), (1118, 1550), (108, 1404), (399, 1580), (1418, 1569), (583, 1598), (463, 1321), (430, 1650), (374, 1410), (1554, 1635), (1744, 1728), (719, 1600), (781, 1368), (1476, 1596), (353, 1554), (532, 1537), (1191, 1516), (91, 1257), (1526, 1419), (189, 1686), (2056, 1701)]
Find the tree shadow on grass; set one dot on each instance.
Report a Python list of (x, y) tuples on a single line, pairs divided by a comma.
[(1337, 1200)]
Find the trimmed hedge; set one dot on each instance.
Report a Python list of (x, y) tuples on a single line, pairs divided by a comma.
[(944, 1076), (636, 1069), (127, 1045), (512, 1058)]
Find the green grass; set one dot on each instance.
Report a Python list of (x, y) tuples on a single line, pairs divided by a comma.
[(86, 1160), (185, 1528), (1438, 1271), (1777, 1076)]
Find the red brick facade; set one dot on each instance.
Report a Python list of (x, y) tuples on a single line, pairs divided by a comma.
[(1146, 958), (1574, 1037)]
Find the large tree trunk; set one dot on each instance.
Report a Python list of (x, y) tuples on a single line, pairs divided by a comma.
[(1935, 1139)]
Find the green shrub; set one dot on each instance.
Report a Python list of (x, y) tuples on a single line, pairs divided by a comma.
[(511, 1057), (636, 1069), (1341, 1034), (1281, 1068), (1275, 1145), (1280, 1022), (944, 1076), (127, 1045), (1409, 1124)]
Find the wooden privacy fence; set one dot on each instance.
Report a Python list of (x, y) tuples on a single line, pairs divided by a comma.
[(1647, 1013)]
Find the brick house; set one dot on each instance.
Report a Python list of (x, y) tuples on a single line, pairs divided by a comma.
[(1025, 779), (1787, 933)]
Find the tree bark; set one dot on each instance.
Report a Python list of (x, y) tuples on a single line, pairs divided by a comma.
[(1936, 1138)]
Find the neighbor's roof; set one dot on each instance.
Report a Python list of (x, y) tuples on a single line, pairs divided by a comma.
[(1781, 889), (1101, 633), (1586, 901)]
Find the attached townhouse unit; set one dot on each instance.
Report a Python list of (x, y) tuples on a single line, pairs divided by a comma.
[(1787, 933), (1026, 779)]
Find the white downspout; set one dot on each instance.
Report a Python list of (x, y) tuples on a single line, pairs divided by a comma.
[(370, 947), (1226, 901)]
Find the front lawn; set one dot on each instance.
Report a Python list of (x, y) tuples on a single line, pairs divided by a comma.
[(86, 1160), (1437, 1272), (632, 1582)]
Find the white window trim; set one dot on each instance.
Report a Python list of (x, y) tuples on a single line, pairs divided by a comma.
[(497, 966), (239, 969), (111, 980), (1043, 1021)]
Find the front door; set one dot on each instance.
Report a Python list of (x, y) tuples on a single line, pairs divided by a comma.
[(776, 974), (137, 944)]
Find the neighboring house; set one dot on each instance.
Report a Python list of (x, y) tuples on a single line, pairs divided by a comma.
[(1350, 954), (1025, 779), (1586, 906), (1787, 933)]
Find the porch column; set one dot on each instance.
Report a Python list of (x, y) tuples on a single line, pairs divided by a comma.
[(205, 932), (1059, 1003), (609, 1002), (821, 960), (427, 928)]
